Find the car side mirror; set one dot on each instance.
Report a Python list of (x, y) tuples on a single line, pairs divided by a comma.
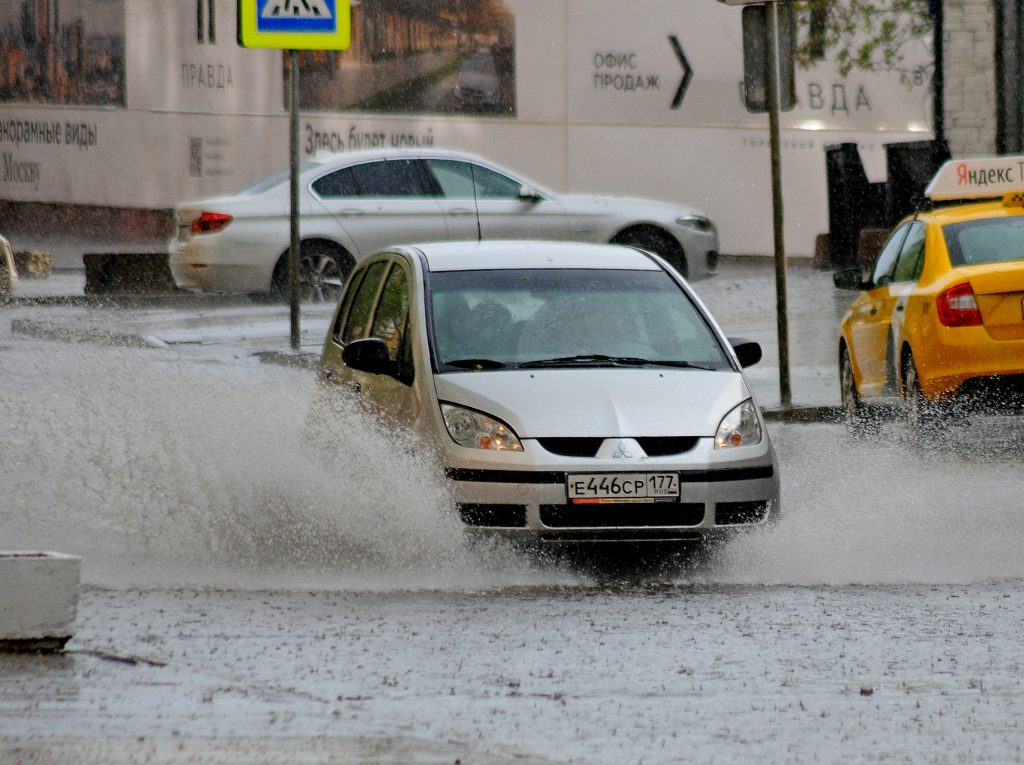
[(748, 352), (851, 279), (529, 194), (369, 354)]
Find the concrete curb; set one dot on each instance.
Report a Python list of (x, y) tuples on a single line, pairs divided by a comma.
[(289, 358), (49, 331), (830, 414)]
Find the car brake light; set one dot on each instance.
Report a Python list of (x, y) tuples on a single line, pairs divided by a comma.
[(958, 308), (209, 222)]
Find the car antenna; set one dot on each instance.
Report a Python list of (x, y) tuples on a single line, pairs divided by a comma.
[(918, 201), (476, 203)]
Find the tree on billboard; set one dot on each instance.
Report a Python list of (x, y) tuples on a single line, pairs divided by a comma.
[(866, 35)]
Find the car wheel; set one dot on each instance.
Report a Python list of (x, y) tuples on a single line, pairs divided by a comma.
[(859, 421), (660, 244), (923, 416), (321, 275)]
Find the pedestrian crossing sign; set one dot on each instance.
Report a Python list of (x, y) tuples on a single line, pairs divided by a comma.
[(294, 24)]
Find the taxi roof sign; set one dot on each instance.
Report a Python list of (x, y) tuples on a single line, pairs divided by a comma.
[(295, 24), (983, 178)]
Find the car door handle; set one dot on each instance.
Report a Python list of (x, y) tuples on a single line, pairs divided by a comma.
[(350, 213), (460, 211)]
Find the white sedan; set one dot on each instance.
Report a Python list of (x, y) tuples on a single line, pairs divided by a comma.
[(571, 392), (352, 205)]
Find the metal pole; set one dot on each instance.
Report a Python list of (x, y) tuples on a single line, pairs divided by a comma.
[(785, 394), (939, 80), (293, 163)]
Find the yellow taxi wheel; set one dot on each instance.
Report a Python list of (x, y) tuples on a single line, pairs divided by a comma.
[(858, 419), (923, 416)]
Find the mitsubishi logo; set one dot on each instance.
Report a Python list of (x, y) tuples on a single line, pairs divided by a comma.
[(621, 452)]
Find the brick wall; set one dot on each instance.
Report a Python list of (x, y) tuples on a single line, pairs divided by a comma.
[(969, 39)]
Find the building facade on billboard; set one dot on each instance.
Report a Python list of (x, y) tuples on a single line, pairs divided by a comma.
[(138, 104)]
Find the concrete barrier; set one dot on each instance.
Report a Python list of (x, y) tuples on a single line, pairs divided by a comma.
[(127, 274), (38, 600), (8, 269)]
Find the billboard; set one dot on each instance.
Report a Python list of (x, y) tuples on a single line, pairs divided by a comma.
[(578, 95), (62, 52), (423, 57)]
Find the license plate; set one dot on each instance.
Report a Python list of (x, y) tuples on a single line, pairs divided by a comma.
[(599, 488)]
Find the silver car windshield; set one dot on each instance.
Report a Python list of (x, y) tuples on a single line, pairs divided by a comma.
[(510, 319)]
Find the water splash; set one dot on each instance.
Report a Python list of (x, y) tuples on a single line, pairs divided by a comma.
[(162, 470), (891, 510)]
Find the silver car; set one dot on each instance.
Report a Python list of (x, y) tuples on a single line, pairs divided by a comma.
[(355, 204), (572, 392)]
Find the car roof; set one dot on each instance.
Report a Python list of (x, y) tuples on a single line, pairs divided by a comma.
[(970, 211), (343, 159), (495, 255)]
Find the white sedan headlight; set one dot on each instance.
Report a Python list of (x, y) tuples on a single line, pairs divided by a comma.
[(739, 428), (476, 430)]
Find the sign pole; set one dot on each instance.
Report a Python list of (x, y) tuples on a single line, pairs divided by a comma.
[(774, 98), (293, 163), (324, 25)]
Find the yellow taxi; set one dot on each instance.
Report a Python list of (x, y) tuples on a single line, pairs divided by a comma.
[(940, 318)]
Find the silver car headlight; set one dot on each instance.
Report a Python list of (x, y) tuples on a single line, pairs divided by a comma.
[(476, 430), (740, 427), (697, 222)]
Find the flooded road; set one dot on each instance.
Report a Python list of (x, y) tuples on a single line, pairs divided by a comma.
[(247, 599)]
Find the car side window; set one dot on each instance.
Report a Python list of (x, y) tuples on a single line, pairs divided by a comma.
[(911, 259), (391, 178), (377, 180), (886, 261), (389, 319), (356, 323), (466, 180), (340, 183)]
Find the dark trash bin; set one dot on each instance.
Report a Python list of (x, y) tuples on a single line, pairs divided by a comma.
[(910, 166), (853, 202)]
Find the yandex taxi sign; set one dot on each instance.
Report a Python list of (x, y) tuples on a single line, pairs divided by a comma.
[(977, 178)]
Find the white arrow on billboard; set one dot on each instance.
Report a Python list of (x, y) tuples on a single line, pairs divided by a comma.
[(300, 9)]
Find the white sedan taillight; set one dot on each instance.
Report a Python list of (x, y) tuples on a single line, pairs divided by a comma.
[(210, 222)]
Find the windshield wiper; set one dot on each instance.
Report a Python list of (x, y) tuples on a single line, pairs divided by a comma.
[(600, 359), (478, 364)]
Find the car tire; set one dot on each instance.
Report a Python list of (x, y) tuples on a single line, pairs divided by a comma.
[(924, 417), (322, 275), (660, 244), (859, 420)]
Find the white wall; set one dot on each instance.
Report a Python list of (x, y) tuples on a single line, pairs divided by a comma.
[(578, 126)]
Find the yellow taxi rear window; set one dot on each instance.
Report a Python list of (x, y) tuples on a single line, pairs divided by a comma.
[(992, 240)]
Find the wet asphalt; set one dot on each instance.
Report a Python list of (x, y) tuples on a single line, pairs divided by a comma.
[(242, 603)]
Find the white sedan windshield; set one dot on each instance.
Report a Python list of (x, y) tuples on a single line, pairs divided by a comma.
[(566, 317)]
